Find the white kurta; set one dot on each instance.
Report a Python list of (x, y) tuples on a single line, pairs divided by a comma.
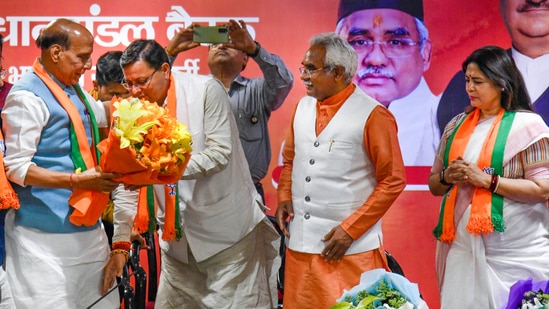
[(219, 209), (64, 272)]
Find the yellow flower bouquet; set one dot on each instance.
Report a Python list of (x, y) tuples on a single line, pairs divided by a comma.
[(145, 144)]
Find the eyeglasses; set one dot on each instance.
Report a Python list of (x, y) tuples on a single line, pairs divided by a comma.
[(308, 71), (140, 85), (392, 48)]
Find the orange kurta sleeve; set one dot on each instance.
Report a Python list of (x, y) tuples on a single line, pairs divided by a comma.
[(381, 143), (284, 190)]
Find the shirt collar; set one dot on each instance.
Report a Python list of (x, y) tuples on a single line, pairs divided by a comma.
[(340, 96)]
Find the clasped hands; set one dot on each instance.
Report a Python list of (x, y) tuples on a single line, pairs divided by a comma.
[(462, 172)]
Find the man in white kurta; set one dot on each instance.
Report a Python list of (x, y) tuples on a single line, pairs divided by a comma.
[(225, 256)]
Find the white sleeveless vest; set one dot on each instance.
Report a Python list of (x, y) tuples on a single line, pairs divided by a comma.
[(332, 174)]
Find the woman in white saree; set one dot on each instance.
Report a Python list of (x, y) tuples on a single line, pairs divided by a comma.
[(492, 167)]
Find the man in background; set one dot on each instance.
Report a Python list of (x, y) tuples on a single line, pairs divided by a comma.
[(527, 22), (109, 78), (252, 100), (394, 50)]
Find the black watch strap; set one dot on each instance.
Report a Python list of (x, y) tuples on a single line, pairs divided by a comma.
[(256, 52), (441, 179)]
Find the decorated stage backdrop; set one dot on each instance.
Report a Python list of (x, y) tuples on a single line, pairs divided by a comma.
[(283, 27)]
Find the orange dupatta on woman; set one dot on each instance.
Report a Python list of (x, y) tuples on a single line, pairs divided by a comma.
[(486, 206)]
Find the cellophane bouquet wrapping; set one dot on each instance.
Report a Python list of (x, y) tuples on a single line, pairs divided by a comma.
[(379, 289), (529, 294), (145, 144)]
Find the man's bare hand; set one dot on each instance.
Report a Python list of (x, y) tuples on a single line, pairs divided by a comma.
[(113, 269), (240, 37), (284, 211), (182, 41), (337, 243), (96, 180), (142, 241)]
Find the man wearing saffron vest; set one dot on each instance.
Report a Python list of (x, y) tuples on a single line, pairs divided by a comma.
[(224, 257), (342, 171), (55, 246)]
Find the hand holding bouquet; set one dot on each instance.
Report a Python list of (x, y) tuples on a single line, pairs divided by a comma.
[(145, 143)]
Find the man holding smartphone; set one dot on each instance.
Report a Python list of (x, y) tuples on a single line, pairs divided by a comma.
[(252, 100)]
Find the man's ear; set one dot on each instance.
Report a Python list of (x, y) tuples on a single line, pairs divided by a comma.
[(95, 85), (339, 73), (55, 52), (426, 54), (245, 60), (166, 69)]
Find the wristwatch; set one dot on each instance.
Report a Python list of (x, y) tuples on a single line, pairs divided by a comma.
[(256, 52), (441, 179)]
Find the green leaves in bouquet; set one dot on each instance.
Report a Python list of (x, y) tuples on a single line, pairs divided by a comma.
[(365, 300), (529, 297), (390, 296), (342, 305)]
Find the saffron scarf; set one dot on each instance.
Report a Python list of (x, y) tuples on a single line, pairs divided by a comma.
[(88, 205), (486, 207), (146, 210)]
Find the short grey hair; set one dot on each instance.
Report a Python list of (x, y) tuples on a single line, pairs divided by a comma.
[(338, 53), (423, 34)]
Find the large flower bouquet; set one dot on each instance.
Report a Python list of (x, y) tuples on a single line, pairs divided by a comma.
[(381, 289), (145, 144), (529, 294)]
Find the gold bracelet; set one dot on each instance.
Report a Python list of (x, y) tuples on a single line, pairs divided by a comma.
[(126, 253)]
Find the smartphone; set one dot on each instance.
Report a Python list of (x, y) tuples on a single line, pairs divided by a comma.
[(211, 34)]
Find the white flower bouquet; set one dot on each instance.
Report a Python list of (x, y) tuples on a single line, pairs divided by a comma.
[(379, 289)]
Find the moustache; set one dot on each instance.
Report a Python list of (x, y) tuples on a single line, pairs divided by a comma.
[(376, 71), (530, 6)]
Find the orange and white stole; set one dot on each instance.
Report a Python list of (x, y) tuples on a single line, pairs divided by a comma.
[(486, 207), (88, 205), (145, 219)]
